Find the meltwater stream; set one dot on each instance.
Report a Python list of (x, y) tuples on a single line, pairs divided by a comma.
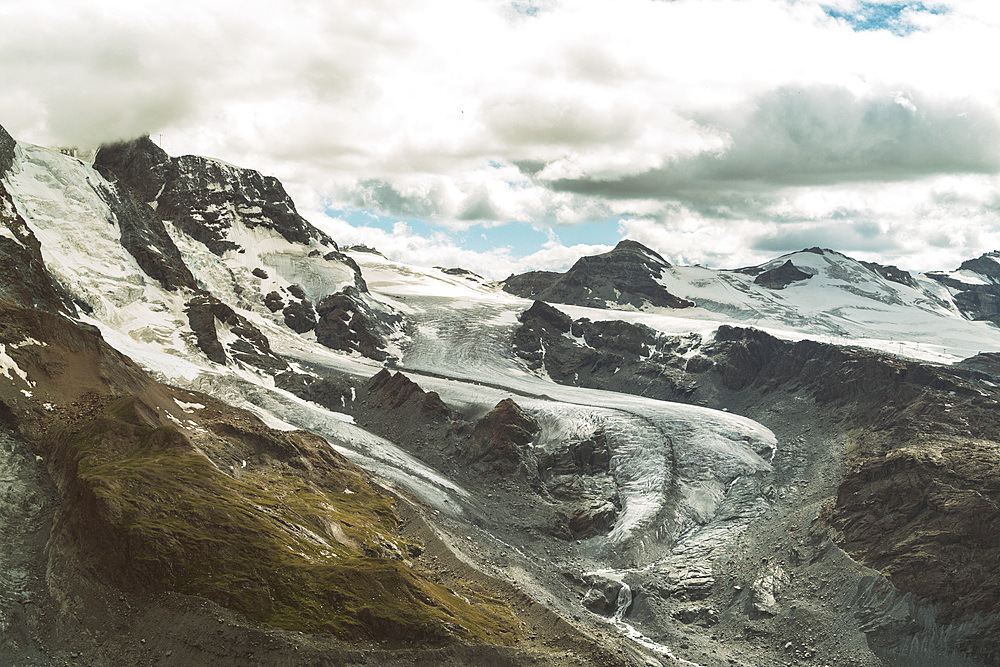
[(628, 630)]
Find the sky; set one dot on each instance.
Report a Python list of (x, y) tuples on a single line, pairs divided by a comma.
[(512, 135)]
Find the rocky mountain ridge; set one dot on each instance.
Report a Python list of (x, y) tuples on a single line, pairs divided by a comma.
[(640, 279)]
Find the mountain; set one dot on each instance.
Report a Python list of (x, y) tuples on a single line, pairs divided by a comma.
[(975, 286), (625, 276), (228, 441), (821, 294)]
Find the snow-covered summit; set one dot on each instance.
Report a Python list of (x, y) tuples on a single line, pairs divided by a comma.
[(813, 293), (140, 242)]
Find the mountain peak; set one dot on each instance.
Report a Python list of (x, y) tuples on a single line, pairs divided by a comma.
[(630, 247), (138, 163), (627, 275)]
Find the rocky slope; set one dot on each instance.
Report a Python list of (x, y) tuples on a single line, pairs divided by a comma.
[(165, 491)]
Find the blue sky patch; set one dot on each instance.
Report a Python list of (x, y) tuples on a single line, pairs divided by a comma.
[(518, 238), (891, 16)]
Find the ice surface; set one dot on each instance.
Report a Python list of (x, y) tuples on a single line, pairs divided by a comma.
[(671, 462)]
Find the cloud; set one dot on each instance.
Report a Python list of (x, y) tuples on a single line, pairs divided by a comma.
[(545, 112), (818, 136), (933, 223)]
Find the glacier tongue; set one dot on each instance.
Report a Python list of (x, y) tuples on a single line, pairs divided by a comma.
[(672, 463)]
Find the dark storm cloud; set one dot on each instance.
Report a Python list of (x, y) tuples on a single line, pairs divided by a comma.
[(819, 136)]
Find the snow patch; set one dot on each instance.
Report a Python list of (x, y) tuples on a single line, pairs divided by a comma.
[(189, 407), (9, 366)]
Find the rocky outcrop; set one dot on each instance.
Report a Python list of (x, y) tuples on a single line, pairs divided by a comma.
[(251, 347), (625, 276), (781, 277), (397, 393), (578, 473), (300, 316), (919, 500), (606, 597), (146, 239), (531, 285), (140, 165), (503, 439), (334, 393), (349, 323), (274, 302), (7, 146), (609, 354), (205, 197), (892, 273), (461, 273), (986, 265), (359, 280)]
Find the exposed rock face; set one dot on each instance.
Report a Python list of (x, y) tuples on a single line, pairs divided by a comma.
[(204, 197), (781, 277), (609, 354), (141, 166), (625, 276), (462, 273), (195, 202), (395, 392), (348, 323), (26, 280), (7, 145), (532, 285), (333, 393), (893, 273), (274, 302), (985, 362), (985, 265), (359, 281), (503, 438), (605, 596), (250, 347), (920, 498), (146, 239), (577, 472), (764, 591), (300, 316)]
